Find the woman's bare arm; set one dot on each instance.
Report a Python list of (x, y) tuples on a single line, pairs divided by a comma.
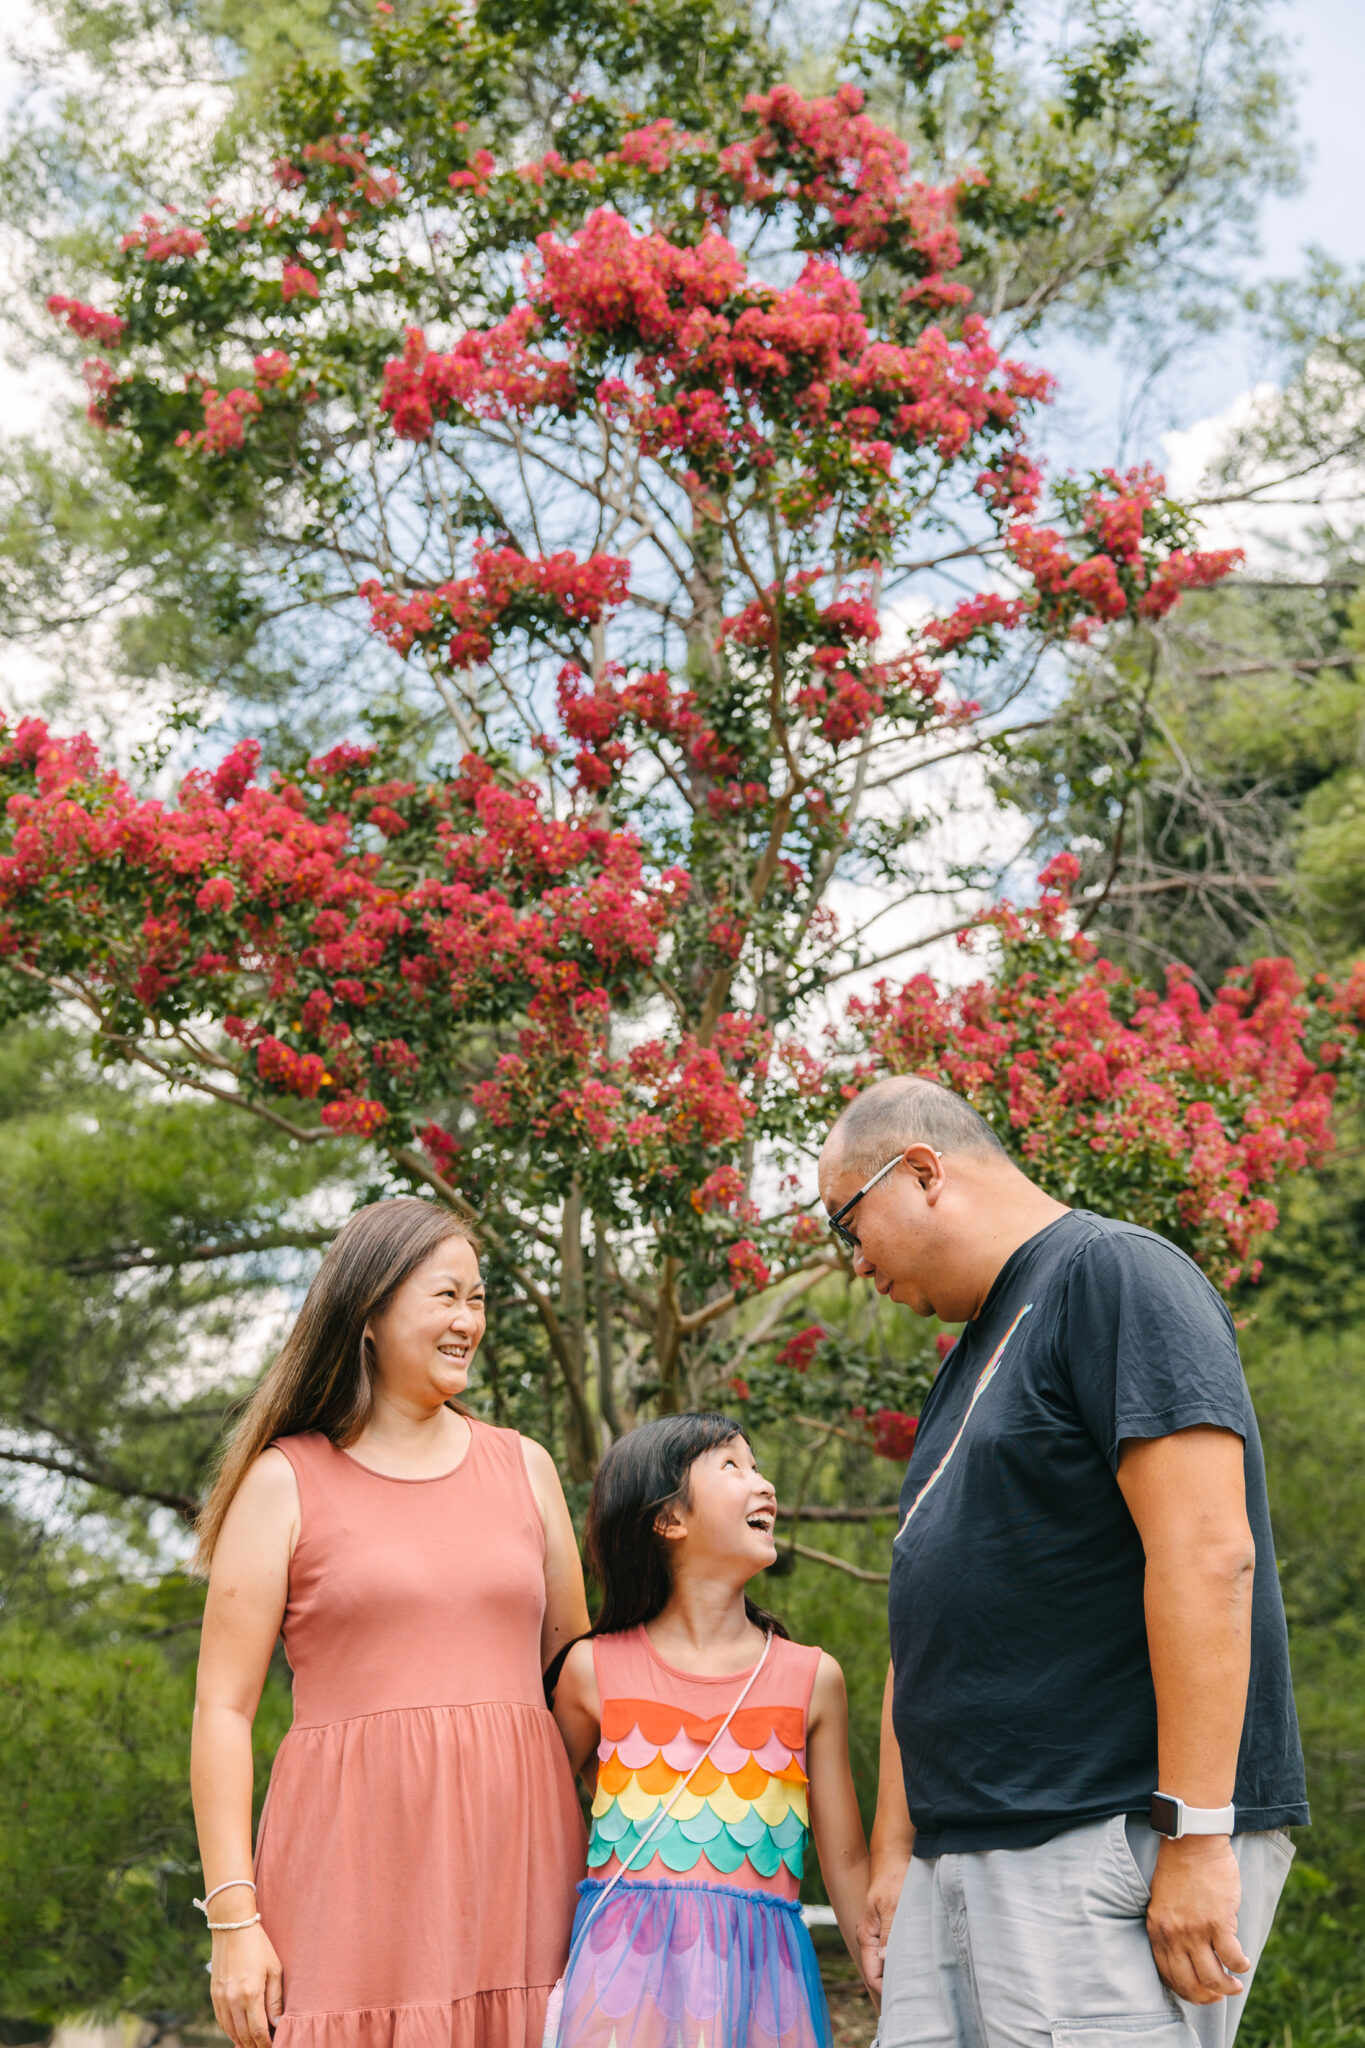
[(248, 1586), (835, 1820), (566, 1603), (578, 1712)]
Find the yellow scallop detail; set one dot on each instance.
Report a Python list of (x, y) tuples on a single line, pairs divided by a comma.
[(636, 1803), (777, 1800), (726, 1803)]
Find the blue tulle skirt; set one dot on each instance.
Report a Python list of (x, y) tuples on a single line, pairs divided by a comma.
[(691, 1966)]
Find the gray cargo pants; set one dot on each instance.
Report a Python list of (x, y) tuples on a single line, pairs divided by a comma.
[(1047, 1947)]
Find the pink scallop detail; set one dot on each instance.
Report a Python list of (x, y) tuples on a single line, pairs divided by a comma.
[(775, 1755), (637, 1750), (730, 1756), (682, 1752)]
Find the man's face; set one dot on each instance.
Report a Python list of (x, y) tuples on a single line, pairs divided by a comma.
[(893, 1223)]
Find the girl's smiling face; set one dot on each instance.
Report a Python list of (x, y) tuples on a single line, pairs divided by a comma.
[(728, 1514)]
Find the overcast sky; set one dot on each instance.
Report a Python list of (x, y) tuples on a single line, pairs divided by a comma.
[(1328, 60)]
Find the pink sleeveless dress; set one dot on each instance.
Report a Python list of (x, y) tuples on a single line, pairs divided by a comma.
[(421, 1835), (701, 1944)]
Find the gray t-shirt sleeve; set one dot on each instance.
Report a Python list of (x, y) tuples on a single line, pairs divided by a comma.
[(1146, 1344)]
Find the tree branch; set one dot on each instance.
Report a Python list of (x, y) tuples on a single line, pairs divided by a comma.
[(225, 1248), (840, 1564), (92, 1474)]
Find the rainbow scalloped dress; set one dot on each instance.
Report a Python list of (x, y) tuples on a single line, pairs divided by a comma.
[(701, 1944)]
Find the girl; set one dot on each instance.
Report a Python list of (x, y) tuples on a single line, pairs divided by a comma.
[(688, 1929), (421, 1837)]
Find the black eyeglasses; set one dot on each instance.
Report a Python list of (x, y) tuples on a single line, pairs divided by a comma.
[(836, 1221)]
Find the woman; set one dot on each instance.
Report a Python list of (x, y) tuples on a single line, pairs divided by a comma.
[(421, 1838)]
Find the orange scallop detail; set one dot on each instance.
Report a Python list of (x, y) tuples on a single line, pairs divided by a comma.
[(659, 1722), (751, 1780), (658, 1776), (612, 1775)]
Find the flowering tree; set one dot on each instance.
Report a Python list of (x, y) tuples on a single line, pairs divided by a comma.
[(626, 456)]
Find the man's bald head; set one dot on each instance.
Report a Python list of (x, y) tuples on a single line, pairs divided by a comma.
[(900, 1111)]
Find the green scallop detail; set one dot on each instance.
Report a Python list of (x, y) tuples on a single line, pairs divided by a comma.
[(680, 1845), (765, 1856), (790, 1830)]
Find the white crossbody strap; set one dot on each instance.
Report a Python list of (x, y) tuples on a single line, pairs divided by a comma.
[(676, 1794)]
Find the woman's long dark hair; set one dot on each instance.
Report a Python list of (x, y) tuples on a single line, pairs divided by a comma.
[(642, 1475), (323, 1377)]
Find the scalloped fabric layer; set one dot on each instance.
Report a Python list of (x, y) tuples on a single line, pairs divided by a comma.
[(745, 1805), (685, 1965)]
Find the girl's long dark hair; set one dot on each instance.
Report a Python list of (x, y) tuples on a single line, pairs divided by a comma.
[(641, 1475)]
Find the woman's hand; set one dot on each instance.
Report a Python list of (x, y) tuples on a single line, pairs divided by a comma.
[(247, 1985)]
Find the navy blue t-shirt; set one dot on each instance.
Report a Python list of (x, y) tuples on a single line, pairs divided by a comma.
[(1023, 1700)]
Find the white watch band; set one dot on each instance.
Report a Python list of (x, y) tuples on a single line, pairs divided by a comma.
[(1195, 1820)]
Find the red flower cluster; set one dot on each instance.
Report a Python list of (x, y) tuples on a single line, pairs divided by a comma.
[(845, 165), (798, 1351), (298, 281), (506, 590), (491, 373), (162, 241), (225, 418), (87, 321), (747, 1269), (1141, 1103), (893, 1434), (243, 896)]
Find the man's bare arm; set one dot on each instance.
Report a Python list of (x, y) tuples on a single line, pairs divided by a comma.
[(1187, 1495)]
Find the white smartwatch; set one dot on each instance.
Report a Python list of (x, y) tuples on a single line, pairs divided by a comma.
[(1170, 1816)]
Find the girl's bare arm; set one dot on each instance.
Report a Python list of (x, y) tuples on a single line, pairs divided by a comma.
[(248, 1586), (835, 1820), (578, 1711)]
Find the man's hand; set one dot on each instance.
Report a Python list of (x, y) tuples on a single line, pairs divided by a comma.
[(1192, 1918), (885, 1882)]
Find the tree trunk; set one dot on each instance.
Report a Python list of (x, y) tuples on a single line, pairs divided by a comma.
[(606, 1389), (667, 1337), (580, 1436)]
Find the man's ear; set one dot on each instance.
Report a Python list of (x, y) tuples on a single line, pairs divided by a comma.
[(927, 1166)]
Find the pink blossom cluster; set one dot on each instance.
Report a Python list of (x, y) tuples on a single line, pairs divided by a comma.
[(242, 895), (159, 241), (506, 590), (87, 321), (1105, 1079), (835, 159), (491, 373), (225, 417), (1129, 570)]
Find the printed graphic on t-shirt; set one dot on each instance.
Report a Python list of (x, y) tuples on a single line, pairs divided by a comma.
[(986, 1375)]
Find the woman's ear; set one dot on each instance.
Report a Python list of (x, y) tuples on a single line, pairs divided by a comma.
[(669, 1524)]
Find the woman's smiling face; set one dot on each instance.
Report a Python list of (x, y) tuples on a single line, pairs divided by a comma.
[(425, 1336)]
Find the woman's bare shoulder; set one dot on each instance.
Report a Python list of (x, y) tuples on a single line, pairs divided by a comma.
[(269, 1490)]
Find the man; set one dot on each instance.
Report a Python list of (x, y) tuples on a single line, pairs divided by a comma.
[(1089, 1747)]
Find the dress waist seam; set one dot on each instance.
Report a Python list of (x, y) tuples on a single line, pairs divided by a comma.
[(536, 1708), (588, 1886), (352, 2012)]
